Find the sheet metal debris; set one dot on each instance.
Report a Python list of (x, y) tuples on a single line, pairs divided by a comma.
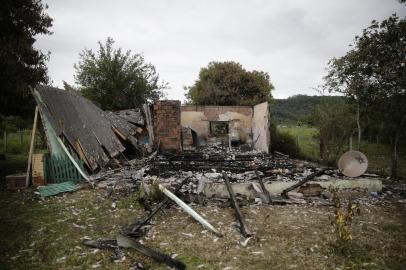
[(95, 135), (54, 189)]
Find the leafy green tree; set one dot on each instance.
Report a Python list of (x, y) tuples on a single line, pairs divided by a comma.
[(374, 74), (115, 80), (336, 123), (228, 83), (21, 64)]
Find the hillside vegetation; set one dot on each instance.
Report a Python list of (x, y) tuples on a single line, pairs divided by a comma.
[(296, 109)]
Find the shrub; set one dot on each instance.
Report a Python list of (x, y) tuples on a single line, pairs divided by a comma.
[(284, 143)]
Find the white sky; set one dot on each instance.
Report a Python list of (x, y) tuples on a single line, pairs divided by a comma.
[(291, 40)]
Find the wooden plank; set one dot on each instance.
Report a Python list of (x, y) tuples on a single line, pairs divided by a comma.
[(243, 226), (34, 129), (84, 175), (303, 181), (38, 176), (149, 124), (83, 156), (264, 190), (38, 165)]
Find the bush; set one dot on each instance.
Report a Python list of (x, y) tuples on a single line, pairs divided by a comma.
[(284, 142)]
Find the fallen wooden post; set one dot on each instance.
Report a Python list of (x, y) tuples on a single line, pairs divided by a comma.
[(123, 241), (303, 181), (264, 190), (189, 210), (243, 226)]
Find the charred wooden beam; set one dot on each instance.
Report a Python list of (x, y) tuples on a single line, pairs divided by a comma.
[(126, 242), (302, 182), (122, 241), (243, 226), (136, 229), (264, 190)]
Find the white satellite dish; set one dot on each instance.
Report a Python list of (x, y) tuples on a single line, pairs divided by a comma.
[(353, 163)]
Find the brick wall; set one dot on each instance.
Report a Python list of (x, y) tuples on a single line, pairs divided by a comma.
[(167, 128)]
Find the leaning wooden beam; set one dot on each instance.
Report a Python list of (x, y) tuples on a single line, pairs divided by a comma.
[(189, 210), (126, 242), (34, 129), (243, 226), (84, 175), (302, 182), (148, 122), (264, 190)]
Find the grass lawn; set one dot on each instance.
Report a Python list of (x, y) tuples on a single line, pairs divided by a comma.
[(47, 234), (378, 154)]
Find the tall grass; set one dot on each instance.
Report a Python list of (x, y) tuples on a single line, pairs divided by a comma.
[(378, 154), (18, 143)]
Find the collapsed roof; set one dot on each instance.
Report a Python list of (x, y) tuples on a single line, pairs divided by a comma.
[(96, 135)]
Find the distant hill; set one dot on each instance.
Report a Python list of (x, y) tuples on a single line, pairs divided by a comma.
[(296, 109)]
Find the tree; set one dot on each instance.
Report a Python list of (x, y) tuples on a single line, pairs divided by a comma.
[(335, 121), (374, 74), (21, 64), (115, 80), (227, 83)]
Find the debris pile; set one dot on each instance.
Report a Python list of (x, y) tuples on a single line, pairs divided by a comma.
[(116, 149)]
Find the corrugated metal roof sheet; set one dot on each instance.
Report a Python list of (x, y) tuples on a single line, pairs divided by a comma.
[(87, 128), (50, 190)]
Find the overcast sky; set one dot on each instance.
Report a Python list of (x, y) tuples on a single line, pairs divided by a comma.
[(291, 40)]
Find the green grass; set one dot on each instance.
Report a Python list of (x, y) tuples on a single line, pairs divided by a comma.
[(43, 234), (38, 234), (305, 137), (378, 154)]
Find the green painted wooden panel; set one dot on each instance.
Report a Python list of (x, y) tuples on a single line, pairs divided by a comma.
[(60, 169)]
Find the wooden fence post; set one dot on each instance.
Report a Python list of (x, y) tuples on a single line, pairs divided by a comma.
[(34, 128)]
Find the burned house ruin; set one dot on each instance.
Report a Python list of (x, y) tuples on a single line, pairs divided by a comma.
[(97, 139), (189, 154)]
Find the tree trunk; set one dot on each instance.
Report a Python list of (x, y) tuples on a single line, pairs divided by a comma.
[(322, 148), (394, 158), (359, 127), (350, 147)]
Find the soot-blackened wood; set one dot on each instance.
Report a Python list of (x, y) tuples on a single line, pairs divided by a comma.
[(264, 190), (136, 229), (302, 182), (243, 226), (126, 242)]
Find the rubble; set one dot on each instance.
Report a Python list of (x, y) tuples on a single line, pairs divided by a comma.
[(116, 149)]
